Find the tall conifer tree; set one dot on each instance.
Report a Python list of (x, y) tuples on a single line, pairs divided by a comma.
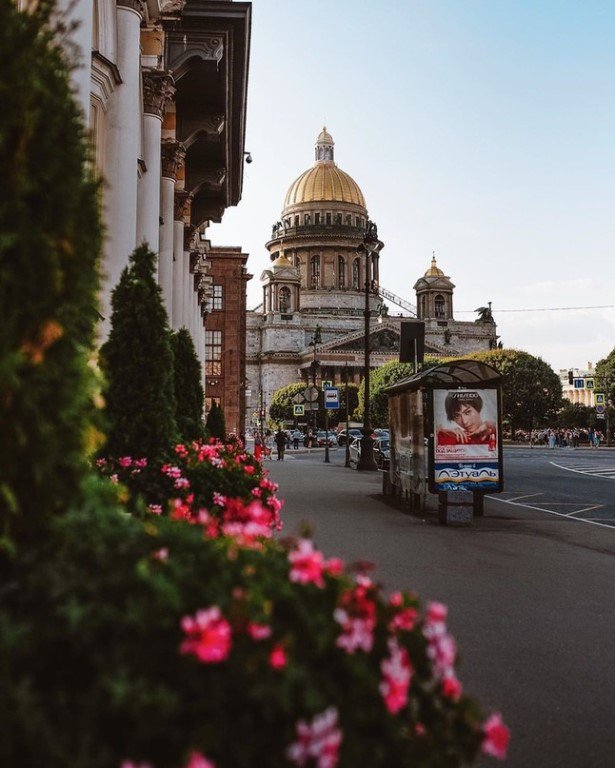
[(188, 388), (216, 425), (138, 363), (50, 239)]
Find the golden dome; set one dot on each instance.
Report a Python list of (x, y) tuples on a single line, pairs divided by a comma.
[(434, 270), (324, 181), (282, 261)]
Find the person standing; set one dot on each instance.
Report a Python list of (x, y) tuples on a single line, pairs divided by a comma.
[(268, 445), (280, 441), (258, 445)]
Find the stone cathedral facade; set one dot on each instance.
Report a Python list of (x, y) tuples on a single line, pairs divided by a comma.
[(310, 324)]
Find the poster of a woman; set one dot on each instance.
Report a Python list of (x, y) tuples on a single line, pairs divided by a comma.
[(466, 424)]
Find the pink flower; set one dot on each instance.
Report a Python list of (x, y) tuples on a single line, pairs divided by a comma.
[(182, 482), (356, 614), (496, 737), (307, 564), (436, 613), (125, 461), (141, 463), (319, 740), (155, 509), (277, 657), (334, 566), (114, 479), (397, 672), (259, 631), (396, 599), (404, 620), (161, 554), (181, 450), (249, 469), (208, 636), (101, 462), (451, 688), (198, 760), (130, 764), (256, 492), (219, 499)]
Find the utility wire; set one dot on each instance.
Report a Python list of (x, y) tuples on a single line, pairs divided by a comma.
[(540, 309)]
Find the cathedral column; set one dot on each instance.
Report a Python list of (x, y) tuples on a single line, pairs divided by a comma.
[(157, 90), (173, 155), (123, 135), (79, 13)]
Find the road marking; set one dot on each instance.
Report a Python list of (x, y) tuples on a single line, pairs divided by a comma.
[(551, 512), (526, 496), (590, 472), (586, 509)]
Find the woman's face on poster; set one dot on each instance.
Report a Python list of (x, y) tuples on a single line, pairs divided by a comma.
[(468, 418)]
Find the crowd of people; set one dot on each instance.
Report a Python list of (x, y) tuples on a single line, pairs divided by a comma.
[(562, 438)]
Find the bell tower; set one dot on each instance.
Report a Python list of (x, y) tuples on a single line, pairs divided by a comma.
[(434, 294)]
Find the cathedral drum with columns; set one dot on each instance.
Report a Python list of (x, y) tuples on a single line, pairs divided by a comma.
[(310, 325)]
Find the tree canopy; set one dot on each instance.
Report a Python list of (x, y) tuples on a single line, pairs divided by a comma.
[(531, 390), (282, 403), (379, 379)]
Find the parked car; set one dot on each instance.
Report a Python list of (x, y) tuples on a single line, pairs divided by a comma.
[(382, 452), (353, 432), (321, 439)]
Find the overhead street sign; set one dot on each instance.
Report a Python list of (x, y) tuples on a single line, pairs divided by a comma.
[(299, 398), (298, 409)]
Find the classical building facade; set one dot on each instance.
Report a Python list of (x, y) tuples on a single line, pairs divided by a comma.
[(310, 325), (163, 86), (581, 389)]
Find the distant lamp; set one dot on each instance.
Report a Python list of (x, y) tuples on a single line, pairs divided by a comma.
[(248, 157)]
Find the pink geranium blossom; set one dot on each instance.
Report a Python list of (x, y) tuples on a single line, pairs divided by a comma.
[(208, 636), (277, 657), (198, 760), (496, 737), (125, 461), (451, 688), (307, 564), (259, 631), (396, 675), (319, 740), (356, 613)]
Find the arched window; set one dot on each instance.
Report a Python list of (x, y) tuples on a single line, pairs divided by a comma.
[(356, 271), (284, 299), (439, 304), (315, 271), (307, 219), (341, 272)]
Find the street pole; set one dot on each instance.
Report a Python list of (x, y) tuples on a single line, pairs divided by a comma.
[(366, 460), (327, 459), (347, 461)]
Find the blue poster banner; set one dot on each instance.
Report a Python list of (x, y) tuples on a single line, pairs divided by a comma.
[(467, 476)]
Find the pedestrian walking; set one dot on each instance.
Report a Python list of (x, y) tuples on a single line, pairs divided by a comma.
[(280, 441), (258, 445), (268, 445)]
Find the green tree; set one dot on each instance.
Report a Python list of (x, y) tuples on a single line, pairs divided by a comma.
[(339, 416), (216, 425), (50, 239), (576, 415), (138, 363), (531, 390), (281, 408), (379, 379), (604, 380), (188, 388)]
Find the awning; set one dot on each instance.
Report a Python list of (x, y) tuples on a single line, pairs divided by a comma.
[(456, 373)]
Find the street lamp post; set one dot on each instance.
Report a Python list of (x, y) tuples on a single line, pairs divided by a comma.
[(316, 339), (370, 247)]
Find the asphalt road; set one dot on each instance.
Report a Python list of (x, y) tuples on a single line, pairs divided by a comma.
[(530, 587)]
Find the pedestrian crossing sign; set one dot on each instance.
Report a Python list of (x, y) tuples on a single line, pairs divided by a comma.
[(327, 384), (298, 410), (599, 398)]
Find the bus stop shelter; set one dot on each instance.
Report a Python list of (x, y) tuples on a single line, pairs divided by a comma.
[(446, 438)]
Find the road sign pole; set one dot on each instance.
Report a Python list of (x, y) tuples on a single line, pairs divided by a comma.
[(327, 460)]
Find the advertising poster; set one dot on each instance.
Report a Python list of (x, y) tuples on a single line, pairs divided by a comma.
[(466, 440)]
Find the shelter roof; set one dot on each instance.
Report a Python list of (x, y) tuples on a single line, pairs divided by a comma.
[(453, 374)]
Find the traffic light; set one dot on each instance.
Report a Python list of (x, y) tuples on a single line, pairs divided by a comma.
[(570, 377)]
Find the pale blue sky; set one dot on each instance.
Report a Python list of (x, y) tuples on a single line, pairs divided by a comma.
[(483, 130)]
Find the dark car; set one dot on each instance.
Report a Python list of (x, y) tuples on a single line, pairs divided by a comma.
[(353, 432), (382, 452)]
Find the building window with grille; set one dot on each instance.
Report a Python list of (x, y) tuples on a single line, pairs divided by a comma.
[(306, 219), (213, 353), (341, 272), (316, 218), (216, 299), (315, 271), (439, 304), (328, 218), (296, 221)]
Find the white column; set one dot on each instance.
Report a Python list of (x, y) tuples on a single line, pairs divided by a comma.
[(123, 134), (157, 89), (186, 291), (178, 276), (80, 13), (165, 258)]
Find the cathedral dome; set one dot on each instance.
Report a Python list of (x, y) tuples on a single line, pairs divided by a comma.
[(434, 270), (324, 181)]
